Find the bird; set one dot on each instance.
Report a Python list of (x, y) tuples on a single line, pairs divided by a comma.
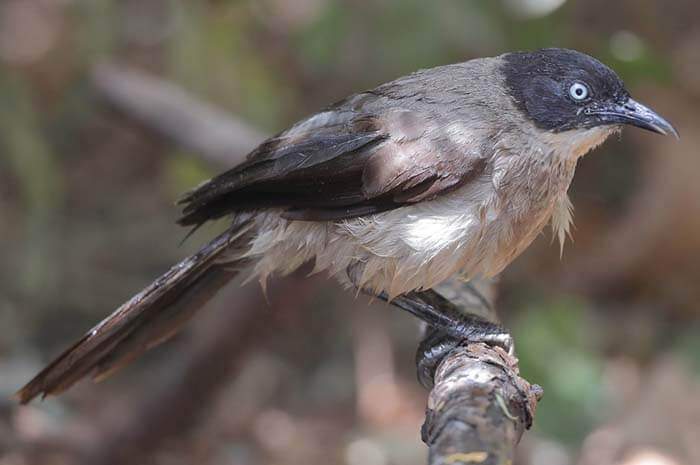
[(448, 171)]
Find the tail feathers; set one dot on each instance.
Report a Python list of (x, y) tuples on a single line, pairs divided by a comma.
[(147, 319)]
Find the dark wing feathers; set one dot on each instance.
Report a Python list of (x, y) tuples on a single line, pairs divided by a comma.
[(343, 164), (293, 170)]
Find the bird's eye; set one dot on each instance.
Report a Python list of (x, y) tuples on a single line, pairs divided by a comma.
[(578, 91)]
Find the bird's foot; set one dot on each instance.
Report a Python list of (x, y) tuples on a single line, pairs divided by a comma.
[(449, 325), (436, 344)]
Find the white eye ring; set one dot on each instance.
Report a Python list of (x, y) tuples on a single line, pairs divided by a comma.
[(578, 91)]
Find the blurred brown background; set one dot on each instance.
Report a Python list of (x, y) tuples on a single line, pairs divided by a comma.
[(315, 376)]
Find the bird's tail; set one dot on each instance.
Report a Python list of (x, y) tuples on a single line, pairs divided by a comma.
[(149, 318)]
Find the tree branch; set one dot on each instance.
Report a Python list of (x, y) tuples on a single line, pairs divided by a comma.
[(160, 105), (479, 407)]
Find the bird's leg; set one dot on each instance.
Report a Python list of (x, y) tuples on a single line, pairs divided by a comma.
[(443, 315), (449, 325)]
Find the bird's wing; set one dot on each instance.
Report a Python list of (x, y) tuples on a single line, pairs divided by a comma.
[(342, 163)]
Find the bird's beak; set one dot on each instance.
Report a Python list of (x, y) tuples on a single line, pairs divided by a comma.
[(633, 113)]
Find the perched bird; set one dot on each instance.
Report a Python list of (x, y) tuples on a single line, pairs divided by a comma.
[(450, 170)]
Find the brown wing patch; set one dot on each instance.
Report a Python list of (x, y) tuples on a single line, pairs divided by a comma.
[(420, 161), (341, 164)]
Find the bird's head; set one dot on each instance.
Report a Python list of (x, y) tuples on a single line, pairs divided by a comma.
[(561, 90)]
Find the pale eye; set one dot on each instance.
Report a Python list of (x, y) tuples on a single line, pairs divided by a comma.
[(578, 91)]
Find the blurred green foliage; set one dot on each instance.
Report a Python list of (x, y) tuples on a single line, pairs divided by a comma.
[(560, 348)]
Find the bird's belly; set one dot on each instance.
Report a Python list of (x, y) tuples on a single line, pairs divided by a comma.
[(410, 248)]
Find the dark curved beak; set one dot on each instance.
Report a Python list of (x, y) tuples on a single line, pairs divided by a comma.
[(634, 113)]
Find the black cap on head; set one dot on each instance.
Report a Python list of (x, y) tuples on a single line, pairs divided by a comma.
[(561, 89)]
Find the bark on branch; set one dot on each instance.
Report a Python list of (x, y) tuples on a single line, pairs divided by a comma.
[(479, 407)]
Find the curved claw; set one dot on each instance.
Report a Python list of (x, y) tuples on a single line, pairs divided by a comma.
[(437, 344)]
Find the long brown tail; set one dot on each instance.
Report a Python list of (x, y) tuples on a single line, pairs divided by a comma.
[(147, 319)]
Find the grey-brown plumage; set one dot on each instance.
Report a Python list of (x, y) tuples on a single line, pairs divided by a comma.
[(450, 170)]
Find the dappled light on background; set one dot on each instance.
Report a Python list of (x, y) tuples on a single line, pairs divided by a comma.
[(276, 430), (649, 457), (626, 46), (377, 392), (534, 8), (550, 453), (365, 452)]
